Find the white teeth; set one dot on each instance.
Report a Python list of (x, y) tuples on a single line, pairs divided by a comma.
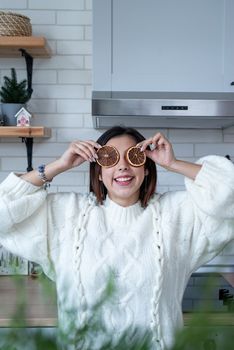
[(123, 179)]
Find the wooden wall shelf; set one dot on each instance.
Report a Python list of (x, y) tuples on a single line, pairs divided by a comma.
[(27, 134), (17, 131), (29, 47), (10, 46)]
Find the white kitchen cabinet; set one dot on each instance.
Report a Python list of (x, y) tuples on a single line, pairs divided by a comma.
[(163, 45), (229, 47)]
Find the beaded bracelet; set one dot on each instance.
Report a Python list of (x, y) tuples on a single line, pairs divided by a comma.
[(42, 176)]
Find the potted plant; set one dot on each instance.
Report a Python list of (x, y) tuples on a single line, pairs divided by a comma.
[(13, 95)]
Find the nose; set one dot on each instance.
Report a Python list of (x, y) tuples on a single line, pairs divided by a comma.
[(123, 164)]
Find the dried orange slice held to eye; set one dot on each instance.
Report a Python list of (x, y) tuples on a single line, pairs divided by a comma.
[(135, 156), (108, 156)]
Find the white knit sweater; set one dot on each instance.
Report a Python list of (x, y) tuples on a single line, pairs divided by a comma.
[(151, 252)]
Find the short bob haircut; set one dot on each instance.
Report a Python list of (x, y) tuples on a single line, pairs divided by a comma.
[(148, 186)]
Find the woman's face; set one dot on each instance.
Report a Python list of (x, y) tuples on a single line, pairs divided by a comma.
[(123, 181)]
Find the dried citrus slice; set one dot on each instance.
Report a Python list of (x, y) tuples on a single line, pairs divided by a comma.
[(108, 156), (135, 156)]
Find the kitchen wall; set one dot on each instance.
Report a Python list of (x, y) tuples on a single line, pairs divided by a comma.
[(62, 98), (62, 93)]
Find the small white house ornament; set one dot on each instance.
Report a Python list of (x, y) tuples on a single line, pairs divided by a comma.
[(23, 117)]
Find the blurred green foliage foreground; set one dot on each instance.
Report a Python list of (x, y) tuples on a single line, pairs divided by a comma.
[(200, 334)]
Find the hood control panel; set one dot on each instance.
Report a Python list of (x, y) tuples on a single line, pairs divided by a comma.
[(174, 108)]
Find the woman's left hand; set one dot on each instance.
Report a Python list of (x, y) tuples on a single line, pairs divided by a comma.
[(161, 150)]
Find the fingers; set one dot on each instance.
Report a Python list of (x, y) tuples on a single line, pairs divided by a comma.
[(86, 149), (158, 141)]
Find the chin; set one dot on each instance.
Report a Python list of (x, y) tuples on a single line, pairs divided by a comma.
[(125, 194)]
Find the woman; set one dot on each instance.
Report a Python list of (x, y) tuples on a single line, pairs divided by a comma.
[(151, 243)]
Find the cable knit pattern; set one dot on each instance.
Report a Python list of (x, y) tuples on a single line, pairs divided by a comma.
[(117, 250), (151, 251), (155, 326), (79, 237)]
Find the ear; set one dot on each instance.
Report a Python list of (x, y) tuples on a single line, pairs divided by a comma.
[(100, 177), (146, 172)]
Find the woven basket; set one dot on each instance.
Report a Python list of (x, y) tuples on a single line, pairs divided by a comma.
[(14, 24)]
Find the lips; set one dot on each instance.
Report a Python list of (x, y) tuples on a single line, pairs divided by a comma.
[(123, 180)]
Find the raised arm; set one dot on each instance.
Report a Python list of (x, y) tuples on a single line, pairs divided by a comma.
[(203, 214), (28, 228), (75, 155), (163, 155)]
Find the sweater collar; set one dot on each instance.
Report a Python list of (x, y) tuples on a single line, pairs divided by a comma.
[(119, 215)]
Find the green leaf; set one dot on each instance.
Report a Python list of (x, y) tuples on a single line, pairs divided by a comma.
[(13, 91)]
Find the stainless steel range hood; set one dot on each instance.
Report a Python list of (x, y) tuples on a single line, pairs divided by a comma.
[(162, 109)]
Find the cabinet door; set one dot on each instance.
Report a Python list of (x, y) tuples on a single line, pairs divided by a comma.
[(229, 47), (168, 45), (102, 44)]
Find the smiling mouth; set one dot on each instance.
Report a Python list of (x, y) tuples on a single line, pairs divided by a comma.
[(123, 180)]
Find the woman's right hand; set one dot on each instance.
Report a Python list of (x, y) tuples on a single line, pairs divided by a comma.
[(79, 152)]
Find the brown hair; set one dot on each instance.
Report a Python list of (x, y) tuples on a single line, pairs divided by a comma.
[(148, 186)]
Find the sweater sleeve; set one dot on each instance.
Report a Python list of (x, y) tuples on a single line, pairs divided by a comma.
[(213, 189), (23, 229), (33, 222), (37, 225), (211, 197)]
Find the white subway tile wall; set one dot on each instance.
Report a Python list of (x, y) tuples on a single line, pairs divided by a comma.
[(61, 100)]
